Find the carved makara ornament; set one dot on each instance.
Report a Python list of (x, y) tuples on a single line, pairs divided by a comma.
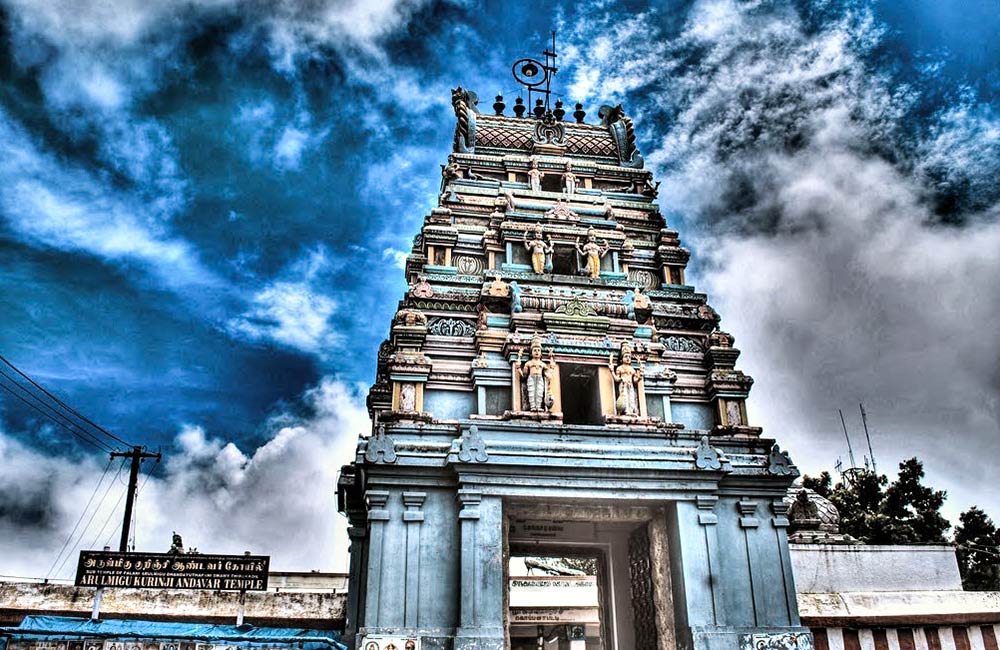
[(411, 318), (422, 289), (548, 130), (498, 287), (627, 381), (592, 253), (562, 212), (537, 377)]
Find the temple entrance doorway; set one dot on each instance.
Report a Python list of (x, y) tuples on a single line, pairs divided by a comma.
[(585, 577), (555, 599)]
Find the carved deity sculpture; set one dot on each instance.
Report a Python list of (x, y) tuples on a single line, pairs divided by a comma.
[(535, 177), (537, 376), (408, 397), (593, 252), (626, 382), (569, 179), (539, 248), (734, 414)]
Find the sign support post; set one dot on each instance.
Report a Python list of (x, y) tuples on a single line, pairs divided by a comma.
[(95, 614)]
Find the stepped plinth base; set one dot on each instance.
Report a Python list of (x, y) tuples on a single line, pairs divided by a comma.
[(737, 431), (537, 416)]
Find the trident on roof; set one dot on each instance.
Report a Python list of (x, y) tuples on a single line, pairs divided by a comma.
[(534, 74)]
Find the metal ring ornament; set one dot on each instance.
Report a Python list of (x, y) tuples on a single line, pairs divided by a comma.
[(525, 71)]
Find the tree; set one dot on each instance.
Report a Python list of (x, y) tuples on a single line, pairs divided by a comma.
[(976, 542), (821, 486), (878, 512)]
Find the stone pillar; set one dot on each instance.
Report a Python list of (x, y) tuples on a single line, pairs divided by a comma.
[(695, 567), (413, 517), (780, 523), (378, 515), (749, 522), (354, 604), (482, 572)]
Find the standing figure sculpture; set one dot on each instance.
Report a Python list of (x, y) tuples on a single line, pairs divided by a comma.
[(627, 381), (537, 376), (569, 179), (593, 252), (540, 250), (535, 177)]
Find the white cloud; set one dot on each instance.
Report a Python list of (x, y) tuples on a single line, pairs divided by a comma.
[(293, 310), (822, 255), (397, 256), (51, 203), (276, 500)]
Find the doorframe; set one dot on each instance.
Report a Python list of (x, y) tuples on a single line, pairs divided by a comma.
[(605, 576)]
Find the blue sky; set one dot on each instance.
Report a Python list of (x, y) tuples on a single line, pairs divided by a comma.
[(204, 206)]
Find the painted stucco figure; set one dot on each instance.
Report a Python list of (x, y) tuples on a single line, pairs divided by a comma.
[(592, 252), (537, 377), (569, 179), (627, 381), (535, 177), (540, 249)]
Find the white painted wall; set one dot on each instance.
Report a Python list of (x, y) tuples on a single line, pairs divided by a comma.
[(823, 568)]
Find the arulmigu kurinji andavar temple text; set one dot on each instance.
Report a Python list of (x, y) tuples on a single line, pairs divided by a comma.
[(551, 387)]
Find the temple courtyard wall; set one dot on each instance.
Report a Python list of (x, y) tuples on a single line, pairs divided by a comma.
[(853, 597)]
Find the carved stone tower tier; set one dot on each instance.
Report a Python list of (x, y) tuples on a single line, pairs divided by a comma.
[(551, 386)]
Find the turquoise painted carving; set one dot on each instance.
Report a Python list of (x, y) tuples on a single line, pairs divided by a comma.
[(515, 298), (473, 447), (705, 456), (380, 447), (779, 464)]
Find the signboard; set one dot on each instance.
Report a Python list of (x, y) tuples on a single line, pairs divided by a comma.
[(172, 571), (389, 642)]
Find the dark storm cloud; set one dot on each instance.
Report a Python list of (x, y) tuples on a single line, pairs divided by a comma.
[(817, 197)]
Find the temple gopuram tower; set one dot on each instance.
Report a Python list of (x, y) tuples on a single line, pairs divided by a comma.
[(552, 387)]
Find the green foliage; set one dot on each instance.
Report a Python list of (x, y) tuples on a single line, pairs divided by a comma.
[(878, 512), (821, 486), (977, 541)]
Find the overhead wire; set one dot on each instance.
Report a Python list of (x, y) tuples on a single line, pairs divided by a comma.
[(63, 404), (54, 416), (83, 532), (83, 513)]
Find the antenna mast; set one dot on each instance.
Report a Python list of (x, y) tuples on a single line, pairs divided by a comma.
[(850, 450), (864, 421)]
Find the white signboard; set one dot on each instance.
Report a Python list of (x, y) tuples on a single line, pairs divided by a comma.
[(389, 642)]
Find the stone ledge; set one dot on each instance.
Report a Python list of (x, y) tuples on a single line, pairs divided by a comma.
[(900, 608)]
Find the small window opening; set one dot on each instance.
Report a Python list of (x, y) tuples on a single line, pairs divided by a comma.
[(564, 260), (581, 394), (552, 183)]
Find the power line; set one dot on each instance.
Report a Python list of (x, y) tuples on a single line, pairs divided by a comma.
[(83, 532), (82, 514), (65, 405), (83, 436)]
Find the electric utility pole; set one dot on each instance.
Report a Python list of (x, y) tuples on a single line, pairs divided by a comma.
[(137, 455)]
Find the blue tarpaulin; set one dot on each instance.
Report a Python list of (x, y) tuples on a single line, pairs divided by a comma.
[(62, 627)]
